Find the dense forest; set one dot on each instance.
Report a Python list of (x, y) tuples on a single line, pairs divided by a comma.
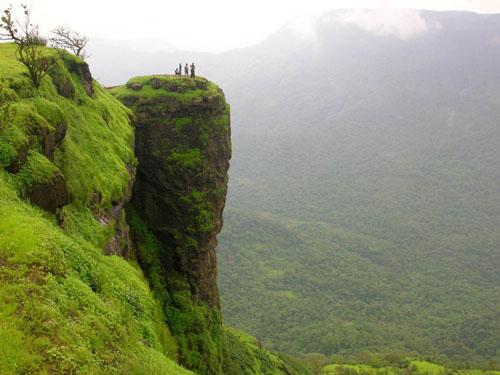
[(364, 202)]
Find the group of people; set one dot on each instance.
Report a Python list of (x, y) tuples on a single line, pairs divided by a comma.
[(178, 71)]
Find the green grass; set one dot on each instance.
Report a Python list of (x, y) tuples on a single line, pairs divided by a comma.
[(97, 149), (38, 169), (187, 159), (244, 355), (65, 307), (186, 89)]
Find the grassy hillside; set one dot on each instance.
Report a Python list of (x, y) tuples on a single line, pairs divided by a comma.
[(244, 355), (65, 307)]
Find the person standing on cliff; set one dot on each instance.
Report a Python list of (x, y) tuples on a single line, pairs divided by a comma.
[(186, 69), (180, 69), (192, 70)]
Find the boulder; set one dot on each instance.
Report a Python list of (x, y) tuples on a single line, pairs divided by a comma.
[(50, 195)]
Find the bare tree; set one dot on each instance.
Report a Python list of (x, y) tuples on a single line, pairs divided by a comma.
[(30, 43), (70, 40)]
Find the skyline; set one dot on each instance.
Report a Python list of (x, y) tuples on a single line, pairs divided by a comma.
[(211, 27)]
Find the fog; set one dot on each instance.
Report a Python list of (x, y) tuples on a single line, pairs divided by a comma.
[(219, 25)]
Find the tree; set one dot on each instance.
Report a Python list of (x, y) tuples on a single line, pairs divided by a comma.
[(70, 40), (30, 44)]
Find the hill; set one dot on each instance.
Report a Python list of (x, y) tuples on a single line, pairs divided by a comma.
[(66, 161)]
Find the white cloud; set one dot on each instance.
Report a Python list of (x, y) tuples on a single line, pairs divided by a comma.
[(404, 24), (304, 27), (218, 25)]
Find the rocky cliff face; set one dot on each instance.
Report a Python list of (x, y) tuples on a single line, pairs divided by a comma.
[(183, 149)]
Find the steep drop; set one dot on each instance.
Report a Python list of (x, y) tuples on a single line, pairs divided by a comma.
[(183, 148)]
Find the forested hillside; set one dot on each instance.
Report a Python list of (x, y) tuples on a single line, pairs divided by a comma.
[(364, 202)]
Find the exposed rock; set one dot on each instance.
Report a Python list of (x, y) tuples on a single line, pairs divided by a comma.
[(135, 86), (52, 140), (50, 195), (155, 83), (183, 148), (82, 69), (119, 243), (66, 89), (17, 163)]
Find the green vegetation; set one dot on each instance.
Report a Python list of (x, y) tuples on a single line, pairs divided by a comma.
[(313, 287), (65, 307), (191, 159), (38, 169), (244, 355), (92, 164), (364, 205), (183, 89), (392, 364), (194, 325)]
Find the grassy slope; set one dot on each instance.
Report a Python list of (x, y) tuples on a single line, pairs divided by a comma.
[(64, 306), (244, 355)]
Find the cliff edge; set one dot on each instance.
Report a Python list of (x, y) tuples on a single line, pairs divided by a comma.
[(183, 147)]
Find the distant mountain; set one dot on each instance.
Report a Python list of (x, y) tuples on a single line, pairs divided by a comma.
[(117, 60), (364, 204)]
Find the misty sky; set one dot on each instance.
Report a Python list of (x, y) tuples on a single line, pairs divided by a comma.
[(207, 25)]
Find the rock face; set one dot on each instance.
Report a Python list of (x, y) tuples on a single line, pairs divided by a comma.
[(50, 195), (182, 143), (183, 148)]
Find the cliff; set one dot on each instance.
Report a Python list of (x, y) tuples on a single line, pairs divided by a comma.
[(183, 148), (108, 225)]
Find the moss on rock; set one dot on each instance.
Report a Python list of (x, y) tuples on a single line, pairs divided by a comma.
[(183, 148)]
